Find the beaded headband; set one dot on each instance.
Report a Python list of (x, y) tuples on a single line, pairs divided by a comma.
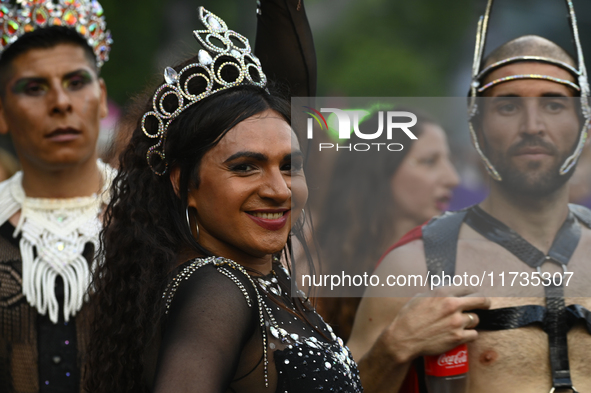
[(84, 16), (234, 52), (478, 75)]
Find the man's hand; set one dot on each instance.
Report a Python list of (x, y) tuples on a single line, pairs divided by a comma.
[(427, 324)]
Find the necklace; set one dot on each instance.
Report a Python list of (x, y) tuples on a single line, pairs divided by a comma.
[(54, 234), (271, 285)]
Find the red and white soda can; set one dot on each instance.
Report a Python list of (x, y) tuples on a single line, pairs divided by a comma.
[(448, 372)]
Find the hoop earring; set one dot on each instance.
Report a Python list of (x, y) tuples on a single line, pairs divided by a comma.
[(189, 223), (300, 225)]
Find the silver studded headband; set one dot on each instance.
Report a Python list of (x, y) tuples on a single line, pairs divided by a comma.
[(478, 74), (234, 52)]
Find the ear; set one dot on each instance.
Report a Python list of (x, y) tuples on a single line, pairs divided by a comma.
[(103, 106), (175, 178), (3, 124)]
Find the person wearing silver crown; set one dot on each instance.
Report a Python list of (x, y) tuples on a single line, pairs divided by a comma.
[(51, 102), (529, 117), (209, 191)]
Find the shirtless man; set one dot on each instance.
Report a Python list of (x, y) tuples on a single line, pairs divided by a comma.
[(529, 134)]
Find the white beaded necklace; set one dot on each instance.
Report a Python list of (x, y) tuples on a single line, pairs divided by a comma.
[(54, 234)]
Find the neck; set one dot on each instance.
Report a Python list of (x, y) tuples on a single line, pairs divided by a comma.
[(402, 225), (68, 182), (262, 265), (259, 263), (536, 219)]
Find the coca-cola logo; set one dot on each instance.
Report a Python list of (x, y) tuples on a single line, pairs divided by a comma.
[(460, 357)]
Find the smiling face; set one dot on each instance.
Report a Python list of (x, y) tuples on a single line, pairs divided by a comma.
[(422, 186), (247, 185), (52, 106), (529, 128)]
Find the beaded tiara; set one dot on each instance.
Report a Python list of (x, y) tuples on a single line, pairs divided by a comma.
[(85, 16), (579, 73), (229, 49)]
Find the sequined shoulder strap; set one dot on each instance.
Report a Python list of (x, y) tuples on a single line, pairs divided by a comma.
[(230, 269), (225, 266)]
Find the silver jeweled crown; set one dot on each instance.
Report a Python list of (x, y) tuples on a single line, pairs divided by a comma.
[(84, 16), (234, 52)]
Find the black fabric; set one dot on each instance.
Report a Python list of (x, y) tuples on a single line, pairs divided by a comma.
[(305, 369), (58, 351), (35, 353), (285, 46), (208, 324), (6, 231), (213, 340)]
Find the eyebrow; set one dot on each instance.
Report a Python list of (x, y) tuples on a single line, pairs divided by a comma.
[(260, 156), (247, 154), (544, 95), (80, 71), (555, 95), (39, 79)]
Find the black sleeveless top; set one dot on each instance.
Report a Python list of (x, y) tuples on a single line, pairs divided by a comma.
[(245, 334)]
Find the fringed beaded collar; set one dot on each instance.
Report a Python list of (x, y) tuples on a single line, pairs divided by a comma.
[(54, 233)]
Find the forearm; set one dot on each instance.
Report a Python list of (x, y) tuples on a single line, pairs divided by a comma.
[(379, 373), (382, 371)]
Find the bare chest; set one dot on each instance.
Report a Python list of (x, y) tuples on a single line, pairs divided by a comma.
[(518, 359)]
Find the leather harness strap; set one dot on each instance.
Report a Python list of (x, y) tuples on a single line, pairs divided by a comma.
[(440, 242), (440, 238), (521, 316), (562, 249)]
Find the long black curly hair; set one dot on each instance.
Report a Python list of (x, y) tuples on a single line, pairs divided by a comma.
[(146, 229)]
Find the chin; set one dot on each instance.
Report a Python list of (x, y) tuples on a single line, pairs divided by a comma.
[(271, 248), (67, 159)]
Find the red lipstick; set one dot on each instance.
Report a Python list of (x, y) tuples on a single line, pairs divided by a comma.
[(267, 218)]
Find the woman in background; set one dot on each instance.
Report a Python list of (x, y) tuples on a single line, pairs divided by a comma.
[(375, 199)]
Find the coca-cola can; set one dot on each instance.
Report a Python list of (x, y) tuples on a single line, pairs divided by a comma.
[(450, 363)]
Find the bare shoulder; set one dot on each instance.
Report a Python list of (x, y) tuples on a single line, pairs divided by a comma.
[(407, 259)]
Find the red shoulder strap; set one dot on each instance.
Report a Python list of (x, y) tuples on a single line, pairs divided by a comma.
[(414, 234)]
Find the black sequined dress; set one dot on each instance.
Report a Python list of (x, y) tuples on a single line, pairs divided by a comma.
[(227, 330)]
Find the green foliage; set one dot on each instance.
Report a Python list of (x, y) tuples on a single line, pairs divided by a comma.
[(137, 28), (391, 48)]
